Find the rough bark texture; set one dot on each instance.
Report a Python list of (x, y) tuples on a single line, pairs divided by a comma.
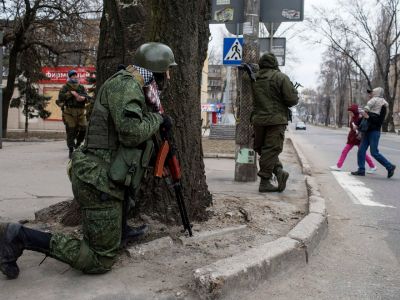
[(183, 25), (121, 31)]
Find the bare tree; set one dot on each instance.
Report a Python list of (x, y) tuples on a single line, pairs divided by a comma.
[(369, 37), (43, 27)]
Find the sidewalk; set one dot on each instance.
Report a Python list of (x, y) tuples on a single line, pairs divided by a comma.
[(242, 221)]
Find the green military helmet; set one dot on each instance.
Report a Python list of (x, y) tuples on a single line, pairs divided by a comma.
[(155, 57)]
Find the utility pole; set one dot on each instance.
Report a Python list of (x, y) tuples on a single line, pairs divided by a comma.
[(271, 37), (246, 162)]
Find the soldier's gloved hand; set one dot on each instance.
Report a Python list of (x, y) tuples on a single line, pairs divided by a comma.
[(249, 70), (166, 126)]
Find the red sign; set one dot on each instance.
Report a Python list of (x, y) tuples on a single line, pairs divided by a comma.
[(60, 74)]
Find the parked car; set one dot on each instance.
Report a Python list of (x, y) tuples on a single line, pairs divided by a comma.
[(300, 125)]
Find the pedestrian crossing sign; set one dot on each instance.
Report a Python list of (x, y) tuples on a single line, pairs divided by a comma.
[(233, 51)]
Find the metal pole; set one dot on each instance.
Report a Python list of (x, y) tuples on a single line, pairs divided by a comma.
[(245, 162), (271, 37), (1, 89)]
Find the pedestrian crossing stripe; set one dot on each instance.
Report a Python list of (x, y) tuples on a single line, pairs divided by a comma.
[(233, 51)]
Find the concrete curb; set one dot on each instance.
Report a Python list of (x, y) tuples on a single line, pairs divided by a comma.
[(248, 268), (219, 155), (223, 277), (305, 166), (31, 140)]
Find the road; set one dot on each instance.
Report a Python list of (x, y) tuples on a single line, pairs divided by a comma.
[(360, 257)]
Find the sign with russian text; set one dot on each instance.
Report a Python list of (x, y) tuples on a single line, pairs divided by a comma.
[(213, 107), (60, 74)]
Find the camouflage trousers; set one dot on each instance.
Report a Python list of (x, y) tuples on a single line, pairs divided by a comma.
[(75, 126), (268, 143), (102, 230)]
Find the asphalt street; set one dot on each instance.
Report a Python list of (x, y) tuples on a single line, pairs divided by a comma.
[(360, 257)]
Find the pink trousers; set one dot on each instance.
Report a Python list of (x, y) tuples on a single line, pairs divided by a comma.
[(346, 150)]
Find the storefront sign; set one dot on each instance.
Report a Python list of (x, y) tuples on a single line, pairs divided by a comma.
[(60, 74), (213, 107)]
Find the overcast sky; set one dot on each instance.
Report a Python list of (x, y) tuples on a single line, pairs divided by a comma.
[(302, 59)]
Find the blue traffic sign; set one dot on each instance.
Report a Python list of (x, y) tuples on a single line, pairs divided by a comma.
[(233, 51)]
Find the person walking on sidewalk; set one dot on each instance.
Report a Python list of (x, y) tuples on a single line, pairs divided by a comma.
[(353, 139), (72, 101), (375, 112), (117, 148), (273, 94)]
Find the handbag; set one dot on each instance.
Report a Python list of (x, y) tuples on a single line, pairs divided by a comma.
[(363, 127)]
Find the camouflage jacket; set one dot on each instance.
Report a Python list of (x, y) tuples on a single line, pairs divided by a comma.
[(133, 123), (65, 98), (273, 94)]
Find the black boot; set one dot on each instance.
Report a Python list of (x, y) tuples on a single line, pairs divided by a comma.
[(71, 134), (266, 186), (282, 177), (80, 136), (133, 234), (14, 238), (71, 150), (10, 249)]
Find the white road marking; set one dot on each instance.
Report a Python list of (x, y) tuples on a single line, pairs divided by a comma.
[(356, 189)]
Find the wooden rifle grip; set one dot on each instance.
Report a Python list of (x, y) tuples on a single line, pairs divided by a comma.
[(160, 161)]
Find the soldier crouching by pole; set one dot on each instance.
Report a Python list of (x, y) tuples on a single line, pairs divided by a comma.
[(106, 172)]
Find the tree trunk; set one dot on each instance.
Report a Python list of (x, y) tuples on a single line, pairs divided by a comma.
[(121, 32), (9, 88), (388, 123), (26, 119), (327, 111), (183, 25)]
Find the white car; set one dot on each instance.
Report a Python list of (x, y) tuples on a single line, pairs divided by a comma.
[(300, 125)]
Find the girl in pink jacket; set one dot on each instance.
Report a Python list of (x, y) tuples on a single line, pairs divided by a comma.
[(353, 139)]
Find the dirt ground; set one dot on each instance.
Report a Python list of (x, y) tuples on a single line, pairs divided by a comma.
[(254, 218), (218, 146)]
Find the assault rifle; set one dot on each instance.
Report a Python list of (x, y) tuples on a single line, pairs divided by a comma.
[(297, 85), (167, 165), (87, 97)]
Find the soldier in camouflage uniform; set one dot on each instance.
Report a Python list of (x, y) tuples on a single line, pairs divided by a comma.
[(117, 149), (273, 95), (72, 100)]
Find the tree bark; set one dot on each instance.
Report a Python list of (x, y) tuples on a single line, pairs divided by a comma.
[(9, 88), (183, 25), (122, 30)]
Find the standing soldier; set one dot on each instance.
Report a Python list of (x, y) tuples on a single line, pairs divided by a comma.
[(106, 171), (273, 95), (72, 99)]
